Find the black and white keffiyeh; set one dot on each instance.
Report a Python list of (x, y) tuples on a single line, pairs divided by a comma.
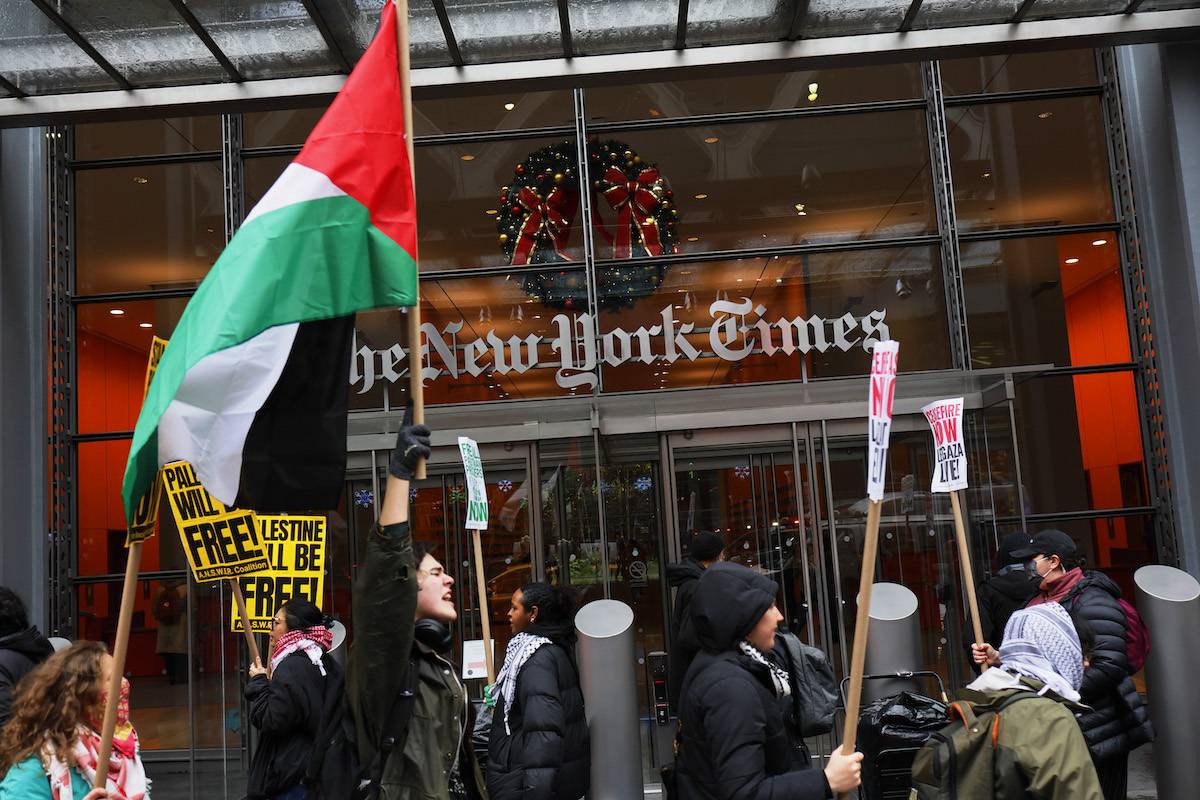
[(519, 649), (779, 676)]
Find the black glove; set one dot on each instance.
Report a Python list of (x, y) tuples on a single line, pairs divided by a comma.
[(412, 445)]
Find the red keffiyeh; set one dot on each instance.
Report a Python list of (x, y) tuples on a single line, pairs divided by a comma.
[(313, 642)]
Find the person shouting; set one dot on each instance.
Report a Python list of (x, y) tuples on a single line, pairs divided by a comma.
[(286, 707), (539, 747), (50, 747), (411, 715), (732, 740)]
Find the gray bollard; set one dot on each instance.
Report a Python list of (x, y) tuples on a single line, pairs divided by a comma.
[(893, 640), (607, 675), (1168, 600), (338, 652)]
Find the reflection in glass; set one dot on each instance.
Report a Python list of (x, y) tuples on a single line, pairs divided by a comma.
[(735, 93), (951, 13), (1036, 162), (599, 27), (1046, 300), (754, 320), (505, 30), (1015, 72), (570, 517), (147, 137), (111, 358), (511, 110), (789, 182), (1080, 442), (279, 128), (266, 40), (838, 18), (178, 227)]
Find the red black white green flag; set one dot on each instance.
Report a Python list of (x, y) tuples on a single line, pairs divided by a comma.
[(252, 387)]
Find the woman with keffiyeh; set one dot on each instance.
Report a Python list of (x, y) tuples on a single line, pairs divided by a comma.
[(286, 703), (539, 747), (49, 749)]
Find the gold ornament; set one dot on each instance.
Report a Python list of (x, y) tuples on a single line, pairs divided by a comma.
[(559, 177), (503, 238), (637, 159)]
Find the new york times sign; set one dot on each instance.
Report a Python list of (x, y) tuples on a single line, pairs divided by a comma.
[(738, 329)]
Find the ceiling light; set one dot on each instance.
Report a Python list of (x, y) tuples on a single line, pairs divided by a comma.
[(711, 139), (654, 112), (739, 280), (678, 307), (1099, 242), (1072, 261), (812, 92), (701, 196), (1046, 115), (491, 212), (141, 179), (779, 280), (145, 325), (986, 175), (117, 312), (467, 157), (693, 238), (686, 272), (509, 106)]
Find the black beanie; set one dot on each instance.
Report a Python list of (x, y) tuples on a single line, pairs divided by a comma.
[(707, 546)]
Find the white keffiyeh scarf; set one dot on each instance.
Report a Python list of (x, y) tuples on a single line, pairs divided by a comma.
[(779, 676), (519, 649)]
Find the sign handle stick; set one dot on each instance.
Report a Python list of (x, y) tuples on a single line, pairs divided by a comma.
[(858, 656), (251, 642), (416, 388), (968, 577), (484, 606), (120, 650)]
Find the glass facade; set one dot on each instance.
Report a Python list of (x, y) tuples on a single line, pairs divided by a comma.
[(788, 221)]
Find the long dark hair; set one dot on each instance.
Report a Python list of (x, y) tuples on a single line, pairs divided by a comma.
[(52, 701), (301, 614)]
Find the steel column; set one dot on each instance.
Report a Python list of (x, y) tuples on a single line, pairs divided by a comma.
[(181, 8)]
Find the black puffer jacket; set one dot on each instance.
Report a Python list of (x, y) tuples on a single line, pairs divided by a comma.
[(19, 653), (544, 753), (1119, 719), (287, 712), (683, 577), (733, 742)]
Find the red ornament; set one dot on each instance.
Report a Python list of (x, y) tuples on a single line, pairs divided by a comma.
[(516, 209), (520, 169)]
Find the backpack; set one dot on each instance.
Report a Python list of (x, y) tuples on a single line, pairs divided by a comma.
[(1137, 637), (960, 759), (168, 607), (814, 690), (335, 773)]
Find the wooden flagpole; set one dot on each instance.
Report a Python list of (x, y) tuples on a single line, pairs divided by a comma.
[(120, 650), (240, 600), (964, 556), (484, 606), (858, 656), (416, 388)]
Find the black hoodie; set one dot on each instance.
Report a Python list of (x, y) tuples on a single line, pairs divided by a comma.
[(733, 742), (999, 597), (19, 653), (683, 577)]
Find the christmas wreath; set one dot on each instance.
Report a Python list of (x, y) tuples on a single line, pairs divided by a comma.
[(537, 210)]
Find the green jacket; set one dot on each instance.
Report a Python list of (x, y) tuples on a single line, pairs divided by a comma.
[(385, 603)]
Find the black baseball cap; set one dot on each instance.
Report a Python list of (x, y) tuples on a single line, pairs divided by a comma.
[(1050, 543)]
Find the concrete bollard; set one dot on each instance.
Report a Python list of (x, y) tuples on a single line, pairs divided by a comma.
[(607, 675), (1168, 600), (893, 641)]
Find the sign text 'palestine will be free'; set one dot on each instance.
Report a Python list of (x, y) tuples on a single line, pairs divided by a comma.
[(219, 543), (296, 548)]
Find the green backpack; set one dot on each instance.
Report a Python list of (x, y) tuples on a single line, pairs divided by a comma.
[(964, 759)]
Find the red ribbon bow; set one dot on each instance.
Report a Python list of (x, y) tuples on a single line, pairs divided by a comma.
[(552, 214), (634, 202)]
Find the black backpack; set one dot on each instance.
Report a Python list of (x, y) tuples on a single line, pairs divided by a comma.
[(334, 773)]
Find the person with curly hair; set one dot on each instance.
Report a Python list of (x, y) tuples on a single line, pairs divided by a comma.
[(50, 748)]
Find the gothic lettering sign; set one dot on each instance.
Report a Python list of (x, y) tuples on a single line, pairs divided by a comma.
[(882, 393), (950, 454), (738, 329)]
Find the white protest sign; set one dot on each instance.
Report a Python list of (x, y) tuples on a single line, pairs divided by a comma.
[(477, 507), (879, 428), (950, 455), (474, 659)]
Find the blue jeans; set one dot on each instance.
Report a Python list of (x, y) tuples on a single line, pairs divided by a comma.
[(297, 793)]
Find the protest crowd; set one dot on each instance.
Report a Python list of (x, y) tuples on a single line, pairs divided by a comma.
[(1054, 698)]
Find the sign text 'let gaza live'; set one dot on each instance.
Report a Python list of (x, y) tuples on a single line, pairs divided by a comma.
[(738, 329)]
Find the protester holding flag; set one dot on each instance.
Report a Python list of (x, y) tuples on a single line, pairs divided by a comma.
[(49, 749), (412, 718), (1117, 718), (733, 745), (286, 707), (539, 745)]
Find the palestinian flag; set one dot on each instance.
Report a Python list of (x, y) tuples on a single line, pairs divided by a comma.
[(252, 387)]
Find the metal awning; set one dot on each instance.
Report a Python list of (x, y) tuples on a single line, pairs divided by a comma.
[(54, 54)]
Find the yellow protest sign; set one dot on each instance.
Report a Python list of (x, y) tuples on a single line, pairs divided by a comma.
[(157, 346), (296, 547), (219, 543), (141, 527)]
